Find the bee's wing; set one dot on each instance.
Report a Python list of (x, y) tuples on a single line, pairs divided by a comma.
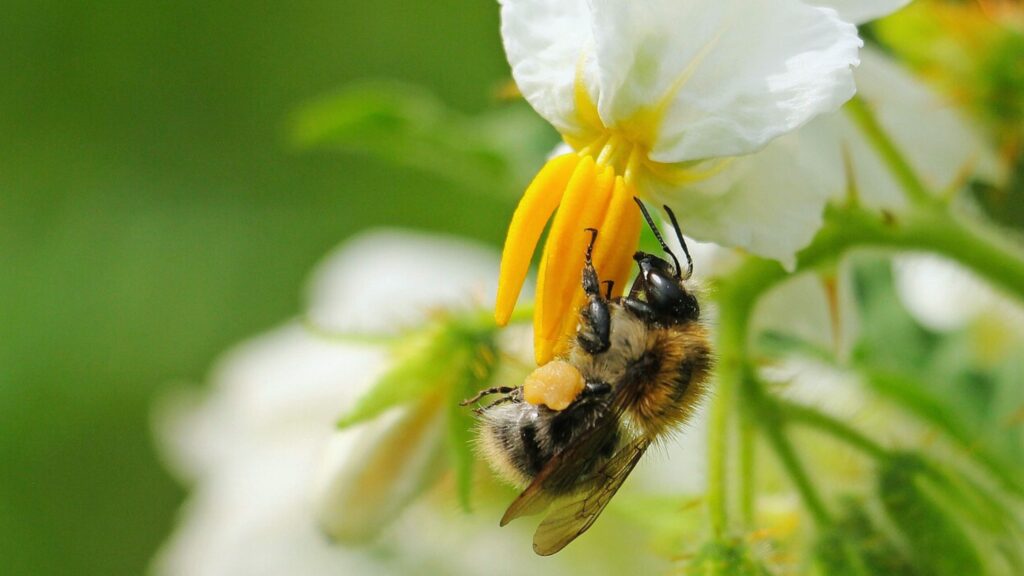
[(575, 516), (563, 471)]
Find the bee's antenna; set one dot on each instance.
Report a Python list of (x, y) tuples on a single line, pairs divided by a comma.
[(657, 235), (682, 242)]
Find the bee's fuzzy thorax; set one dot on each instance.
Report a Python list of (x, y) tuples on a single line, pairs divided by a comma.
[(680, 363)]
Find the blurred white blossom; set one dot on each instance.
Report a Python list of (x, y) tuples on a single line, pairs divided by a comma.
[(944, 296), (271, 477)]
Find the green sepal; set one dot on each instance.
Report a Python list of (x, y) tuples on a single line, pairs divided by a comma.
[(419, 362)]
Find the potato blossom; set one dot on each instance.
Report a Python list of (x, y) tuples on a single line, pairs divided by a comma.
[(654, 97)]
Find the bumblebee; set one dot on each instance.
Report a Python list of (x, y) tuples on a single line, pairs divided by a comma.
[(635, 371)]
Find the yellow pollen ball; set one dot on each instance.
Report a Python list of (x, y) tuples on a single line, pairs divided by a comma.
[(555, 385)]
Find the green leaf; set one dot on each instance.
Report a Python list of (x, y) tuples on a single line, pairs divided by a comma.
[(494, 152), (982, 507), (453, 357), (420, 361), (937, 542), (855, 547)]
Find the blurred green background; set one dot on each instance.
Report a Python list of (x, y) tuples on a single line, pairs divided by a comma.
[(153, 213)]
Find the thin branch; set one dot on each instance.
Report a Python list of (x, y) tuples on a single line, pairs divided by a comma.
[(864, 117)]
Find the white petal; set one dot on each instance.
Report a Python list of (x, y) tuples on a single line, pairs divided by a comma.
[(387, 279), (251, 448), (927, 128), (545, 42), (735, 73), (769, 203), (254, 518), (287, 382), (938, 293), (368, 476), (861, 11)]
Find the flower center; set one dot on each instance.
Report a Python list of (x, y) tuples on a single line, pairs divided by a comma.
[(618, 151), (591, 188)]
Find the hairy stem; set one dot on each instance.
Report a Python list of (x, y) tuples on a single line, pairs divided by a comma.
[(864, 117), (748, 469), (807, 416), (928, 228), (773, 424)]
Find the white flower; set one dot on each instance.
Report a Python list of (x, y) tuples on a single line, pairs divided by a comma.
[(271, 477), (652, 96), (940, 144)]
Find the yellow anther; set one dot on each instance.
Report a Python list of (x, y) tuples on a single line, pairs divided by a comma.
[(532, 214)]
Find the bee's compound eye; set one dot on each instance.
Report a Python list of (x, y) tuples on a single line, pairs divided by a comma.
[(555, 385), (663, 291)]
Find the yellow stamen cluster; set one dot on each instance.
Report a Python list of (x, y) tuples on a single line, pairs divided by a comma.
[(588, 193)]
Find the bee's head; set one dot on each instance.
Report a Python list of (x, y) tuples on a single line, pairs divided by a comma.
[(662, 283)]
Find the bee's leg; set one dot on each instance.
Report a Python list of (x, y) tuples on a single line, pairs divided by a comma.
[(488, 392), (594, 332), (498, 402), (632, 301), (640, 284), (609, 285), (639, 308)]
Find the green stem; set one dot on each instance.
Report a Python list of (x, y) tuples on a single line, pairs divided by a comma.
[(916, 398), (738, 294), (771, 420), (799, 414), (748, 469), (928, 229), (717, 437), (864, 117)]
